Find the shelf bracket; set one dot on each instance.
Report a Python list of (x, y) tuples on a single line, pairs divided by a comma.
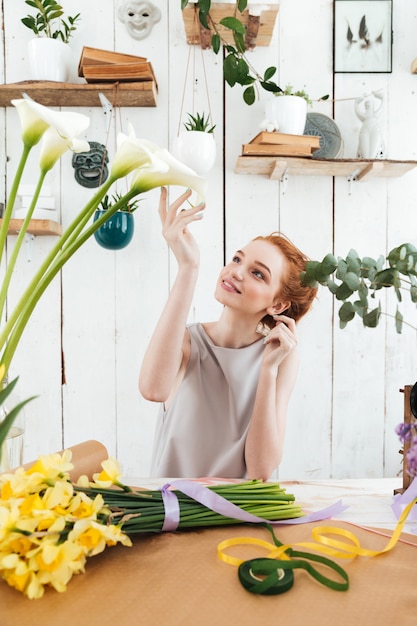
[(352, 177), (107, 109), (279, 170), (369, 170), (284, 180)]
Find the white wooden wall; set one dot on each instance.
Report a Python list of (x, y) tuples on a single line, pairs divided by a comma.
[(83, 347)]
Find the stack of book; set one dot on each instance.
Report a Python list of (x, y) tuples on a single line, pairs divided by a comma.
[(105, 66), (281, 144)]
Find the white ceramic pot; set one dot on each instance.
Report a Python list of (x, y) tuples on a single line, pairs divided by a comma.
[(196, 149), (49, 59), (289, 113)]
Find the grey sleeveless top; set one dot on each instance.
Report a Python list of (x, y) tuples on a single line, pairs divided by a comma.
[(204, 430)]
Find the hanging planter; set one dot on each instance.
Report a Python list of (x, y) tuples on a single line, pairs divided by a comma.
[(116, 232), (196, 146)]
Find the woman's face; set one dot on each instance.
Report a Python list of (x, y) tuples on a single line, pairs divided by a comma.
[(252, 280)]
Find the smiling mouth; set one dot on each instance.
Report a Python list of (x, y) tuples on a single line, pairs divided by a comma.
[(230, 286)]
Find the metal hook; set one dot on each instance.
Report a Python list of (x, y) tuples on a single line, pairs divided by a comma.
[(107, 109)]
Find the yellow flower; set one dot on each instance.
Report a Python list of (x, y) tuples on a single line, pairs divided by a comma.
[(94, 537), (84, 507), (59, 496), (110, 475), (83, 481), (53, 466)]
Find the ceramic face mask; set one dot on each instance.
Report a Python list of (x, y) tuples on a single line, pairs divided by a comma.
[(139, 17), (90, 168)]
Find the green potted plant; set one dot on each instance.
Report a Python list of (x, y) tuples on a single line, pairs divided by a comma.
[(49, 53), (287, 111), (117, 231), (196, 146)]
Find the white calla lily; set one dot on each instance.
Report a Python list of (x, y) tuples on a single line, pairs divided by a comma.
[(131, 154), (66, 123), (33, 126), (54, 146), (174, 172)]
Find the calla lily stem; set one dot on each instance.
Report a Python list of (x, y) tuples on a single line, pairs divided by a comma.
[(12, 198), (53, 263), (20, 238)]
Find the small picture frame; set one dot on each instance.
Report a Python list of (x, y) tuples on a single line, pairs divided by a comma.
[(363, 36)]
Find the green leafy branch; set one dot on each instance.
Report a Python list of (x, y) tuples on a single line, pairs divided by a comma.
[(236, 67), (355, 282)]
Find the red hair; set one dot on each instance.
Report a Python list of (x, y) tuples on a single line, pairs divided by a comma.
[(291, 289)]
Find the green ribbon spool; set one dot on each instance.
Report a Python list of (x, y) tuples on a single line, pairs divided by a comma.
[(276, 581), (279, 575)]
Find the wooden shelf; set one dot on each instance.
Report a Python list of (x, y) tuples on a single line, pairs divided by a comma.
[(51, 93), (277, 168), (219, 10), (36, 227)]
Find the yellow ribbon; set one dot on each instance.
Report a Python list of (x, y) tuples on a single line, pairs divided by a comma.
[(347, 549)]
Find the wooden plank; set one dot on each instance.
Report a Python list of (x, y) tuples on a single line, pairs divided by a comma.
[(220, 10), (36, 227), (51, 93), (264, 165)]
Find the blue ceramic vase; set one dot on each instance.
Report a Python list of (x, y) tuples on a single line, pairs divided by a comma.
[(117, 232)]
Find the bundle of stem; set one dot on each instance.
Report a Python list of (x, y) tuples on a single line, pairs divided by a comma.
[(142, 511)]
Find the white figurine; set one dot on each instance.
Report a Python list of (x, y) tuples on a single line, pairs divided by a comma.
[(371, 142), (138, 16), (269, 125)]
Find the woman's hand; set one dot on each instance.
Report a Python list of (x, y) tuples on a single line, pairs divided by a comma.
[(174, 227), (281, 340)]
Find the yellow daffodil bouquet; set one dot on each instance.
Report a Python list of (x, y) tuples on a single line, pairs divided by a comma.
[(49, 526), (147, 165)]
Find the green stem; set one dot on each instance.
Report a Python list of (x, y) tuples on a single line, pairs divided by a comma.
[(16, 324), (13, 257), (12, 198), (48, 261)]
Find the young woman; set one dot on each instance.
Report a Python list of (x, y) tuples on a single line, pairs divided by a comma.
[(225, 385)]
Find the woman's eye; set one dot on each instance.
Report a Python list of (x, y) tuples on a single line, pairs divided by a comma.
[(236, 259), (258, 274)]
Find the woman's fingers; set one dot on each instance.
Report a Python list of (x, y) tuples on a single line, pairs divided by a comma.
[(285, 331), (168, 214)]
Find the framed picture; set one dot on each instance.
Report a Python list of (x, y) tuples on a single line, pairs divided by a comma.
[(363, 36)]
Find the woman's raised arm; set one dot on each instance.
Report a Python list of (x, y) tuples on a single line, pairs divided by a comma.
[(165, 353)]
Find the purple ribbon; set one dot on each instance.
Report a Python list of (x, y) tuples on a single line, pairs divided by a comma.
[(402, 499), (218, 504)]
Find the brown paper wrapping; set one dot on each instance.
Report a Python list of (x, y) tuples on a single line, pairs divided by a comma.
[(177, 579)]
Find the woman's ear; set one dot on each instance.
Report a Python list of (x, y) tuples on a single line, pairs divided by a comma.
[(278, 307)]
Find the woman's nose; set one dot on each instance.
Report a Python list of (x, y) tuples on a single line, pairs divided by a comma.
[(237, 272)]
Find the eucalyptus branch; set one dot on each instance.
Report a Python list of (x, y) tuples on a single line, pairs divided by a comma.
[(354, 280)]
